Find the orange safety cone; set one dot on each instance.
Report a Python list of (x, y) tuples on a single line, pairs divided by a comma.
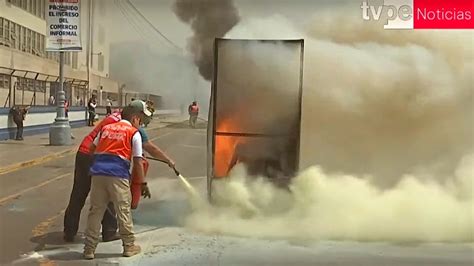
[(136, 185)]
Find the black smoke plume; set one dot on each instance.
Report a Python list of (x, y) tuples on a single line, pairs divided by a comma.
[(208, 19)]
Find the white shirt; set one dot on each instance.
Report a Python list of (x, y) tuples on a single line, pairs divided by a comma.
[(137, 149)]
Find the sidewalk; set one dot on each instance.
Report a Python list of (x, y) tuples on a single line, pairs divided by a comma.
[(36, 149)]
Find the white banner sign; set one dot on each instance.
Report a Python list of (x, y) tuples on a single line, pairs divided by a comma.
[(63, 31)]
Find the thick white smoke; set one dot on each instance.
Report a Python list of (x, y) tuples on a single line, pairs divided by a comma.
[(324, 206), (387, 139)]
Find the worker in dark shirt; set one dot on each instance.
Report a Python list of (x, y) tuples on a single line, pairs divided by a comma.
[(91, 105), (18, 114)]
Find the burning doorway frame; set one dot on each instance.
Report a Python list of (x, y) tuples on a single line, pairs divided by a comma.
[(213, 131)]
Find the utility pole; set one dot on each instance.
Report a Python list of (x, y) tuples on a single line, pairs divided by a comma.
[(60, 130), (88, 47)]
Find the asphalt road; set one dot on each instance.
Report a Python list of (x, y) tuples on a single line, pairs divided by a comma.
[(33, 199)]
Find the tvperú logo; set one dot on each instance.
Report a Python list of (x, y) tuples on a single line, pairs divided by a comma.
[(421, 14)]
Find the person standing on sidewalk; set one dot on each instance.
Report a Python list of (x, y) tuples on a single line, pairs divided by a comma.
[(108, 107), (116, 147), (52, 100), (91, 105), (66, 108), (18, 115), (82, 186)]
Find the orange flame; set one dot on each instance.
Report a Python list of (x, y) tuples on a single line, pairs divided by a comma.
[(224, 148)]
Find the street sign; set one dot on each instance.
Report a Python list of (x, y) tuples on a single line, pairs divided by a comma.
[(63, 32)]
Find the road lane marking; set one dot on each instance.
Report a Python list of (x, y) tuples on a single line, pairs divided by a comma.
[(158, 137), (42, 184), (195, 177), (193, 146)]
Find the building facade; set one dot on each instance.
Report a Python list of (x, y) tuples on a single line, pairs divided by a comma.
[(29, 74)]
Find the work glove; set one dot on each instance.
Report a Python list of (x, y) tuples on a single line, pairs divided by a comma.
[(145, 191)]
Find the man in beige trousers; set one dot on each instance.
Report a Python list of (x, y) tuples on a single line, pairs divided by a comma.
[(115, 148)]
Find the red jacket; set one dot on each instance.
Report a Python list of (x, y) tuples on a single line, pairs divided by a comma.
[(87, 141)]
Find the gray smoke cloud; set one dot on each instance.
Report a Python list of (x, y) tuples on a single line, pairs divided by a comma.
[(208, 19)]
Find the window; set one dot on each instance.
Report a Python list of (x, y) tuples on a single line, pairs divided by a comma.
[(37, 86), (31, 85), (37, 44), (39, 8), (28, 40), (43, 8), (23, 39), (18, 37), (13, 36), (1, 31), (6, 32), (4, 81), (53, 56), (42, 51), (33, 41), (35, 7), (40, 86), (20, 83)]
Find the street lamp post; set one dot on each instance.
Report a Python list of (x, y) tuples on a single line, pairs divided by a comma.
[(60, 130)]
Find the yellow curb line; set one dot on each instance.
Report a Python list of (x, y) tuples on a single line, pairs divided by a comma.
[(40, 230), (14, 167), (17, 166)]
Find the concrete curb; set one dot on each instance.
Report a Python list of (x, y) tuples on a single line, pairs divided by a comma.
[(17, 166)]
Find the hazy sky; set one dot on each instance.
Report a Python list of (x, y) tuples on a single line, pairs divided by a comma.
[(123, 24), (160, 13)]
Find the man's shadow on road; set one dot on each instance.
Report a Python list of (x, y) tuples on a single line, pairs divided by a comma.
[(54, 239)]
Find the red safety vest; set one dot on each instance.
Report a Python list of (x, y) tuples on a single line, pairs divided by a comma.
[(116, 139), (113, 153), (194, 109)]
